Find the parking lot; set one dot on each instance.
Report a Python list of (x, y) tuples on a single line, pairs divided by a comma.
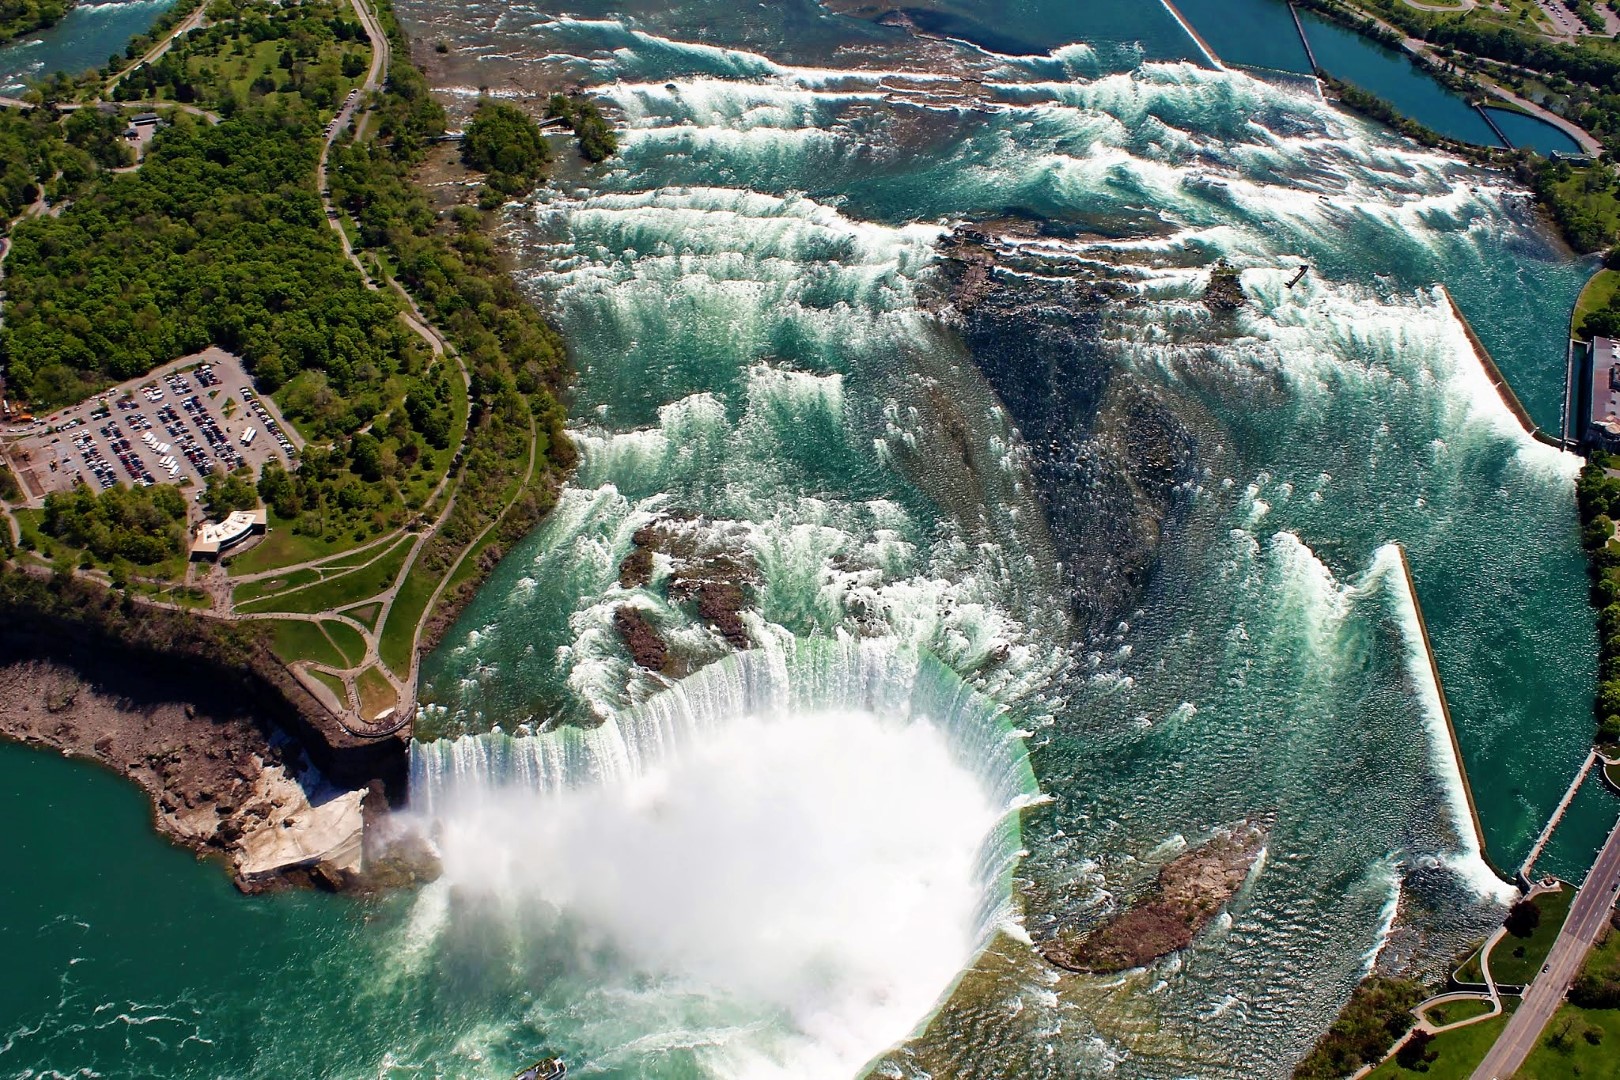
[(172, 427)]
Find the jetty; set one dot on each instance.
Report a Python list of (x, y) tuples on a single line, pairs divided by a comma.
[(1504, 389), (1445, 713), (1192, 32), (1310, 53), (1485, 114), (1557, 816)]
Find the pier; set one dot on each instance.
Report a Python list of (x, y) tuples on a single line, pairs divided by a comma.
[(1557, 816), (1310, 53), (1500, 134), (1299, 277)]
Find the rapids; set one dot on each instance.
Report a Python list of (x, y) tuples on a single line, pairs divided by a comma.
[(893, 366), (1160, 539)]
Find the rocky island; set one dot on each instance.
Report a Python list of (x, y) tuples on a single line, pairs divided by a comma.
[(1188, 893)]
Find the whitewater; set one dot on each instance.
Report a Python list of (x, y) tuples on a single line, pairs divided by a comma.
[(1152, 546), (991, 570)]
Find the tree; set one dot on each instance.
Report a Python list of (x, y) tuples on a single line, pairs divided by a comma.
[(1523, 918), (504, 143), (1415, 1052)]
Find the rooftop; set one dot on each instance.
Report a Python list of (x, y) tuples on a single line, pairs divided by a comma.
[(216, 536), (1605, 382)]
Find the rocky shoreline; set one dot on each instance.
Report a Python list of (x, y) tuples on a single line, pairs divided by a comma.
[(221, 783), (237, 763)]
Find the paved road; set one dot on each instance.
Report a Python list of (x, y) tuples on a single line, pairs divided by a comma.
[(1586, 918), (191, 23)]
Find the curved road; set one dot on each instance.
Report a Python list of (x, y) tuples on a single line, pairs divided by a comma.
[(1587, 916)]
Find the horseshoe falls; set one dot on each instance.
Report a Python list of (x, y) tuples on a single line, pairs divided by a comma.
[(893, 336), (939, 565)]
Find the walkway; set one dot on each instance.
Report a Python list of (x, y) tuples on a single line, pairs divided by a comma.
[(1587, 917), (1557, 815), (1419, 47)]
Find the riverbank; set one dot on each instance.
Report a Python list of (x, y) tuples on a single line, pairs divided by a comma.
[(237, 759)]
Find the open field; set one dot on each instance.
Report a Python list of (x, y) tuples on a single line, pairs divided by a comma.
[(1515, 961), (1456, 1052), (337, 592)]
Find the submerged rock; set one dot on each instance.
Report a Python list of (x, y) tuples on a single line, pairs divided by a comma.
[(1225, 289), (1187, 895), (647, 646)]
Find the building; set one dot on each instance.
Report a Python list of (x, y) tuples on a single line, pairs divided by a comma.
[(215, 538)]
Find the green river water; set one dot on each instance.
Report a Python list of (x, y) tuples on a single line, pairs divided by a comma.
[(962, 731)]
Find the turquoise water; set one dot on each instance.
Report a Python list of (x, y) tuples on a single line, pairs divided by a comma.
[(1533, 134), (84, 39), (773, 866)]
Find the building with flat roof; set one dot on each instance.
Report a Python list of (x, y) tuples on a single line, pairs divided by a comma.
[(1603, 408), (217, 537)]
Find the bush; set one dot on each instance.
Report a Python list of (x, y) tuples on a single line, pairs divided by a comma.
[(502, 142), (1378, 1013)]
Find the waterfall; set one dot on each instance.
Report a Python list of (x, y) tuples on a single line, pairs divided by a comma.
[(800, 682)]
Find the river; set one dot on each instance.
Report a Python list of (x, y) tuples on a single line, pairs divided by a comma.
[(1047, 578)]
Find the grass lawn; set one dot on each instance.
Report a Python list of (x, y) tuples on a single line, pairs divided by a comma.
[(1515, 961), (1577, 1043), (375, 693), (295, 640), (343, 591), (254, 590), (334, 684), (399, 633), (365, 613), (1613, 773), (348, 641), (283, 547), (1453, 1011), (1457, 1053), (1596, 296)]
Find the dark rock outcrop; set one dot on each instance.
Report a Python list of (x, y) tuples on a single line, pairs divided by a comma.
[(1188, 893)]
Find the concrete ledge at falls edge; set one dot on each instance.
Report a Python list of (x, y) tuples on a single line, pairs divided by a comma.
[(1503, 388), (1445, 712)]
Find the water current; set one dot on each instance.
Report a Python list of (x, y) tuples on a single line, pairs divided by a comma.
[(893, 367)]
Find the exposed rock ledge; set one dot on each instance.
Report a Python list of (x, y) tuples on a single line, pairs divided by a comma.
[(221, 783), (1190, 891)]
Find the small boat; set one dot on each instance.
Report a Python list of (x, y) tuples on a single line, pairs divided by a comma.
[(549, 1069)]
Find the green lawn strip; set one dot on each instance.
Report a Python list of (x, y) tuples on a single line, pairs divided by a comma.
[(1469, 972), (339, 592), (1613, 773), (294, 640), (399, 632), (255, 590), (375, 693), (365, 614), (1514, 960), (348, 641), (1596, 296), (1457, 1053), (284, 547), (334, 684), (1453, 1011), (1576, 1042)]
